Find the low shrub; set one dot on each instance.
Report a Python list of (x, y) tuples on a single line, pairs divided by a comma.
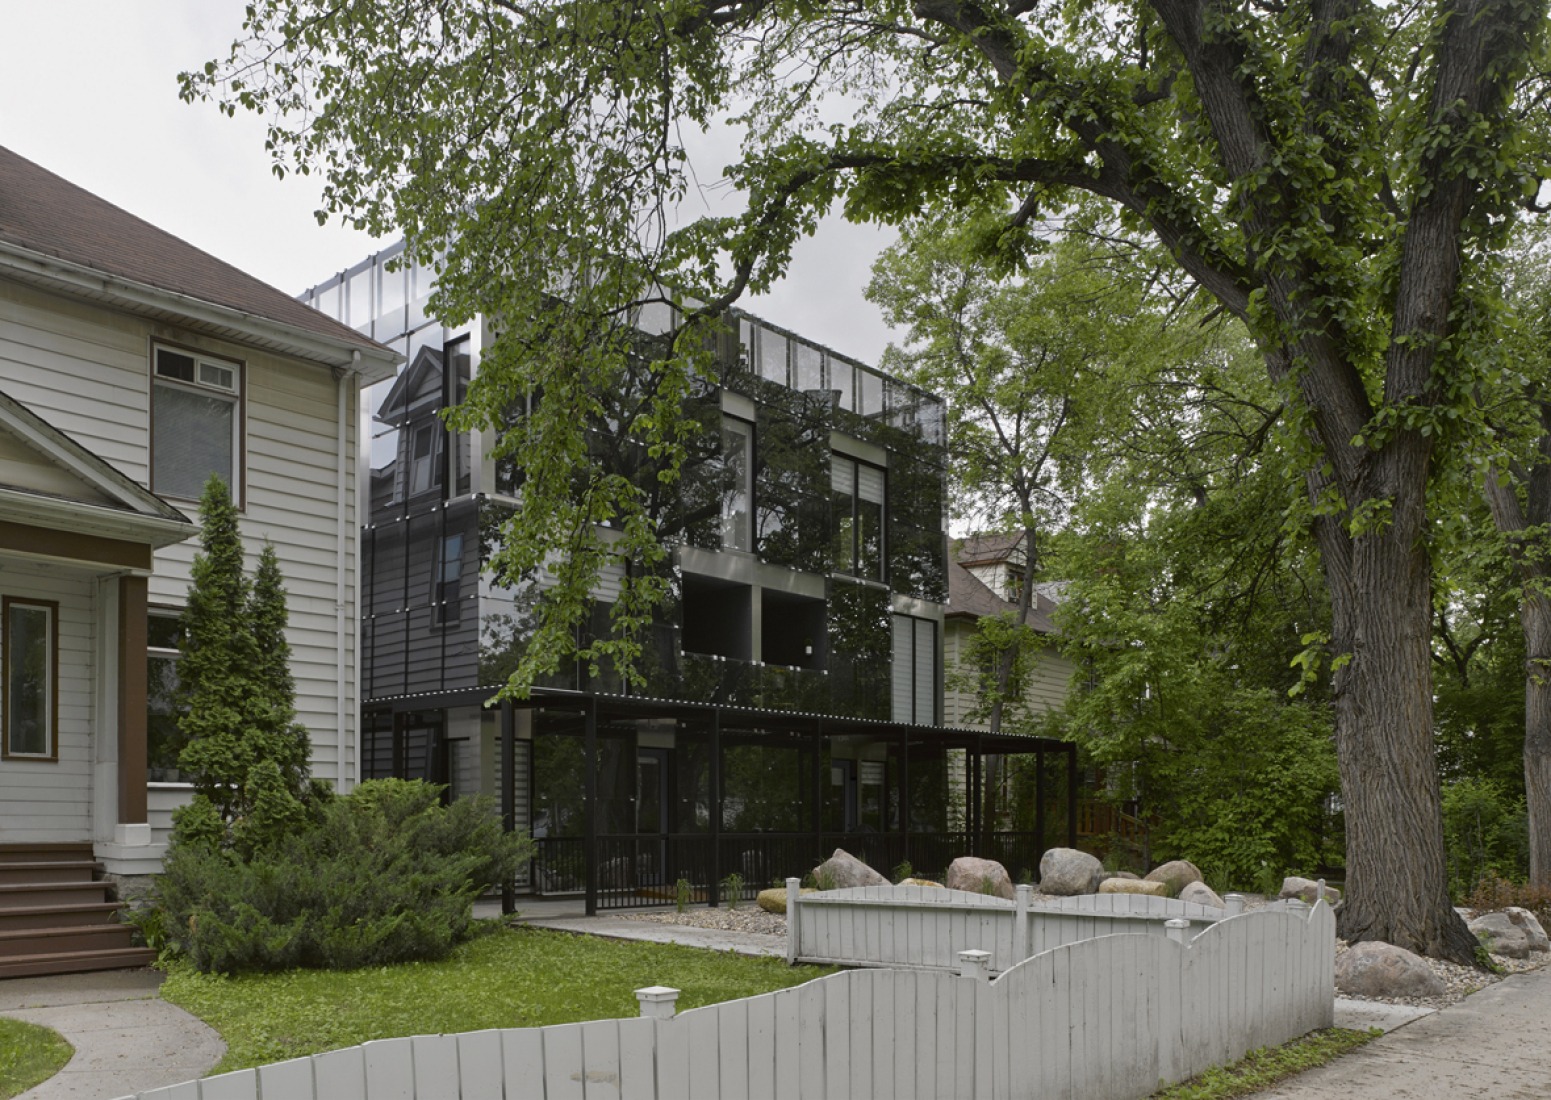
[(1485, 834), (386, 874), (1493, 893)]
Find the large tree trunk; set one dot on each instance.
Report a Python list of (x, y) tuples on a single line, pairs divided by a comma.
[(1397, 888), (1522, 523), (1535, 614)]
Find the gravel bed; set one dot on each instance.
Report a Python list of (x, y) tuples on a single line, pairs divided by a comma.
[(746, 918), (1459, 981)]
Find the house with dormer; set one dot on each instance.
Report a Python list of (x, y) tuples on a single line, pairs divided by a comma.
[(133, 366)]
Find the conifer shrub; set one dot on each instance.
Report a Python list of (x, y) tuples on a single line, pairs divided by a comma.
[(386, 874)]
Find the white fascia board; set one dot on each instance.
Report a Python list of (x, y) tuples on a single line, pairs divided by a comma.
[(368, 364), (92, 519)]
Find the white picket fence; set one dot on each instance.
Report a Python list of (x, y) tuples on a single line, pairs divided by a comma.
[(925, 927), (1104, 1019)]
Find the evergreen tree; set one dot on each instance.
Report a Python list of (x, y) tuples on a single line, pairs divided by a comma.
[(244, 753)]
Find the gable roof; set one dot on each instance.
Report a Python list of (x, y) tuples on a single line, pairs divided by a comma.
[(62, 236), (104, 502), (970, 598)]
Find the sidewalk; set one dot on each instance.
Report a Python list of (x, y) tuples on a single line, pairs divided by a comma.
[(126, 1038), (1494, 1043)]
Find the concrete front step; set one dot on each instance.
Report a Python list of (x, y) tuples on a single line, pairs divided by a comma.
[(75, 962), (34, 871)]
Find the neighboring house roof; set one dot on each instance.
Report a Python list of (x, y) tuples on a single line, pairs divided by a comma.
[(56, 234), (986, 549), (969, 598), (69, 486)]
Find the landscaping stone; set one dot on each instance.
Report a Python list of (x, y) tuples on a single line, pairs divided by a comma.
[(1514, 933), (918, 882), (842, 871), (1066, 871), (1175, 874), (1125, 874), (979, 876), (1306, 889), (1202, 894), (773, 900), (1383, 970), (1134, 886)]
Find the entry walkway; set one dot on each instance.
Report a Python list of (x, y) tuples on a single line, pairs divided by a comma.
[(126, 1038), (1494, 1043)]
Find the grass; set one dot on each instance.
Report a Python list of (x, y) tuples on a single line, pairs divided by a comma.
[(1264, 1067), (518, 977), (29, 1055)]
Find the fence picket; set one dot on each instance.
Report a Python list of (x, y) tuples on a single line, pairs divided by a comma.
[(600, 1060), (705, 1063), (435, 1060), (340, 1074), (637, 1066), (291, 1079), (788, 1045), (479, 1065), (732, 1048), (762, 1047), (390, 1069), (563, 1059), (242, 1085), (837, 1039), (885, 1023), (672, 1058), (522, 1052), (810, 1040)]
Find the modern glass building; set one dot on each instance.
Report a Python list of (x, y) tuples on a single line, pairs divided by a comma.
[(793, 693)]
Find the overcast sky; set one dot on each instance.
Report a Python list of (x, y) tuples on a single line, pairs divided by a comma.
[(93, 97)]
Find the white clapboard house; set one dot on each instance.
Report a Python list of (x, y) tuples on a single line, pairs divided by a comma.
[(132, 367)]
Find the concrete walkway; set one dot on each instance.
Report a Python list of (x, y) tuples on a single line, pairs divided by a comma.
[(126, 1038), (1494, 1043)]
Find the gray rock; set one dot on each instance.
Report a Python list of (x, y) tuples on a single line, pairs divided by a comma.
[(1175, 874), (773, 900), (1514, 933), (1306, 889), (1066, 871), (1134, 886), (842, 871), (1132, 875), (1202, 894), (979, 876), (1383, 970)]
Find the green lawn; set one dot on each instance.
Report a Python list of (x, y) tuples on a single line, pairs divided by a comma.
[(29, 1055), (521, 977)]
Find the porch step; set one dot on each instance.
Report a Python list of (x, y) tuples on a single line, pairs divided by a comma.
[(21, 943), (44, 870), (50, 893), (55, 916), (75, 962)]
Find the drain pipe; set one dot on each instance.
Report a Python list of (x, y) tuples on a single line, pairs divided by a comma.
[(341, 778)]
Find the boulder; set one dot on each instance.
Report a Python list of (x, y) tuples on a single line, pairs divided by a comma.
[(918, 882), (1066, 871), (1132, 875), (979, 876), (1306, 889), (1175, 874), (1202, 894), (1382, 970), (773, 900), (1133, 886), (1514, 933), (842, 871)]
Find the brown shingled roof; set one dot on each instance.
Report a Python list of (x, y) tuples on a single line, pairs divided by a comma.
[(44, 213), (969, 597)]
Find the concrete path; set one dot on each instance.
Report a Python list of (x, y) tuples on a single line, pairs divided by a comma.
[(126, 1038), (1494, 1043), (714, 939)]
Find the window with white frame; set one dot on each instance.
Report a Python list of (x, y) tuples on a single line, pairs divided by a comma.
[(31, 678), (196, 422)]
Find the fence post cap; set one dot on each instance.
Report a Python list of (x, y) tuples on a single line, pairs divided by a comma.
[(657, 993), (794, 884), (975, 964), (974, 954), (657, 1001)]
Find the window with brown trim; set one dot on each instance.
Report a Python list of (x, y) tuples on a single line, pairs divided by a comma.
[(29, 678), (196, 423)]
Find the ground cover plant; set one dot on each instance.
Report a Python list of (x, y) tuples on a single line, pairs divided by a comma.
[(29, 1054), (520, 977), (1265, 1067)]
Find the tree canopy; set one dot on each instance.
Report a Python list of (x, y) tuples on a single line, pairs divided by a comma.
[(1340, 175)]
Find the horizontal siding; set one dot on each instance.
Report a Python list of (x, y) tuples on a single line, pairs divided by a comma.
[(51, 801), (85, 369), (1047, 688)]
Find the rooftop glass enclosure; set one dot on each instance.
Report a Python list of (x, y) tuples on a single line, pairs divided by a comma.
[(793, 681)]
